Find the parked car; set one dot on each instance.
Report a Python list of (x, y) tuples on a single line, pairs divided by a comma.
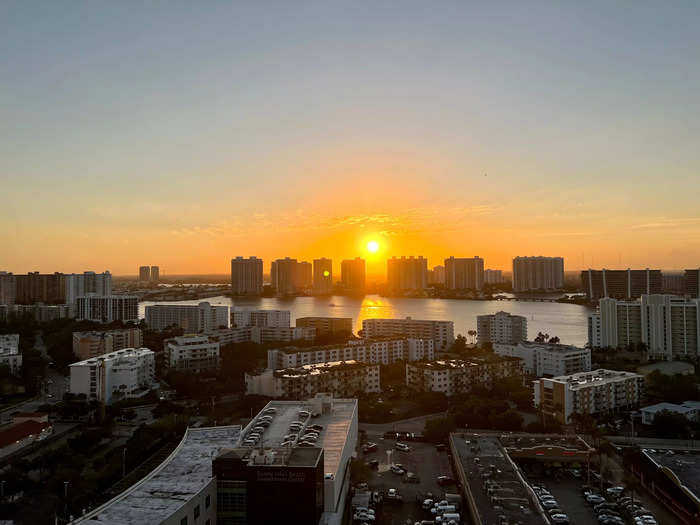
[(373, 464), (369, 447), (397, 470), (445, 480), (403, 447)]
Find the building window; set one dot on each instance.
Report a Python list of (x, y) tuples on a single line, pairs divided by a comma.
[(207, 501)]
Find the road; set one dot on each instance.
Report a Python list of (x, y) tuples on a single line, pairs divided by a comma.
[(414, 424)]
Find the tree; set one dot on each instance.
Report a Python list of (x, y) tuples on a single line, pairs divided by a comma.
[(437, 430), (460, 344), (670, 425)]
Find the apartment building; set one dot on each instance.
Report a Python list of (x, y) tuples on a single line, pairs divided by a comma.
[(119, 375), (192, 353), (493, 277), (691, 282), (538, 274), (273, 334), (501, 327), (457, 376), (94, 343), (667, 325), (144, 273), (436, 275), (40, 288), (155, 274), (621, 284), (10, 356), (352, 275), (339, 378), (547, 359), (383, 351), (327, 325), (8, 288), (269, 318), (441, 332), (596, 392), (41, 313), (407, 274), (193, 319), (87, 283), (107, 308), (227, 336), (464, 273), (323, 276), (247, 276)]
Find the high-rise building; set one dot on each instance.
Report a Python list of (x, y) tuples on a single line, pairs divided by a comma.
[(40, 288), (304, 276), (286, 276), (501, 327), (193, 319), (464, 273), (107, 308), (323, 276), (124, 374), (87, 283), (144, 273), (667, 325), (246, 276), (352, 275), (8, 288), (692, 283), (407, 274), (270, 318), (436, 275), (441, 332), (155, 274), (493, 277), (327, 325), (621, 284), (538, 273), (93, 343)]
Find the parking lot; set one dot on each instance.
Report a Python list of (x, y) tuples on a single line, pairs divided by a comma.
[(425, 461)]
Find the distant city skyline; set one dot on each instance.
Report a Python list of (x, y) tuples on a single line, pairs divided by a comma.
[(156, 132)]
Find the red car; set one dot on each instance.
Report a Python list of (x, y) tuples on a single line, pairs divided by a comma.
[(369, 447)]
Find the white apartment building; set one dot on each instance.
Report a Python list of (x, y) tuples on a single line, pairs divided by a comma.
[(227, 336), (382, 352), (407, 274), (107, 308), (456, 376), (93, 343), (87, 283), (441, 332), (464, 273), (271, 334), (667, 325), (689, 409), (501, 327), (10, 355), (193, 319), (246, 276), (596, 392), (192, 353), (271, 318), (546, 359), (123, 374), (339, 378), (538, 273)]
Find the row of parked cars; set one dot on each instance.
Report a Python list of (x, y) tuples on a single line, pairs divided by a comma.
[(300, 434), (616, 506), (259, 425), (550, 505)]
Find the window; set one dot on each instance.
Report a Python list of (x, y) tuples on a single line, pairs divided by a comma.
[(207, 501)]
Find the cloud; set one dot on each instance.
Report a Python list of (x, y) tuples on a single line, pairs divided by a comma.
[(663, 222)]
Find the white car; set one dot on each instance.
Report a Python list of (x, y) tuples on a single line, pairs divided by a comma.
[(397, 470), (403, 447)]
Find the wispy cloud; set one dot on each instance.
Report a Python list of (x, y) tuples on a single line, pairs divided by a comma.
[(664, 222)]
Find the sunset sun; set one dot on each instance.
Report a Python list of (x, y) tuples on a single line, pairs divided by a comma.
[(372, 246)]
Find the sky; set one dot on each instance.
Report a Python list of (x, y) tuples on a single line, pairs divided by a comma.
[(183, 134)]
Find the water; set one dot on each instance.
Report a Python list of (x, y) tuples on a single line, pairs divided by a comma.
[(567, 321)]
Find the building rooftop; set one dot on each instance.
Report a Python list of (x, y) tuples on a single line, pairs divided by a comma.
[(320, 368), (594, 377), (118, 354), (671, 407), (172, 484), (21, 431), (667, 368), (682, 466), (401, 320), (454, 364), (277, 456), (552, 347), (184, 340)]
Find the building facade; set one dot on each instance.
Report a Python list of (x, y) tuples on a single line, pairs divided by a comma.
[(441, 332), (464, 273), (456, 376), (327, 325), (40, 288), (87, 283), (621, 284), (273, 334), (538, 273), (93, 343), (155, 274), (407, 274), (501, 327), (10, 356), (192, 353), (493, 277), (339, 378), (352, 275), (596, 392), (8, 288), (144, 273), (124, 374), (193, 319), (436, 275), (383, 352), (290, 277), (323, 276), (269, 318), (547, 359), (107, 308), (247, 276), (691, 282), (41, 313)]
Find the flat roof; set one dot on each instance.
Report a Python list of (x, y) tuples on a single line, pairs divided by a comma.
[(320, 368), (336, 427), (594, 377), (172, 484), (403, 320), (277, 456), (685, 467), (454, 364), (351, 343), (125, 352), (671, 407), (485, 463), (553, 347)]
